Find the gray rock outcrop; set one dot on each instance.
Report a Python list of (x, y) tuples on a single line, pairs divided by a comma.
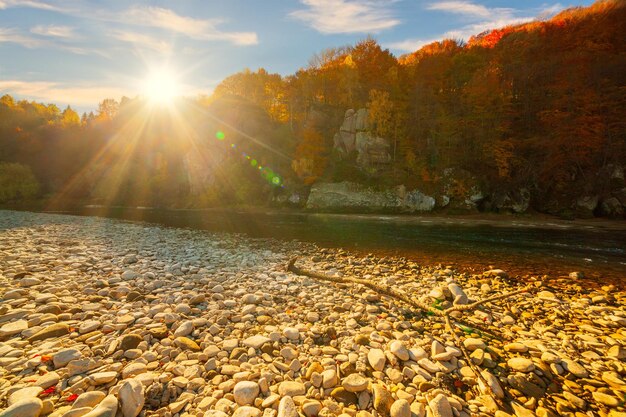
[(350, 196)]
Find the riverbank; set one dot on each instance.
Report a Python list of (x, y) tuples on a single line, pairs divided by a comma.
[(100, 314)]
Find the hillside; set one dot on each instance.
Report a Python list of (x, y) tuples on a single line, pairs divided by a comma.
[(522, 118)]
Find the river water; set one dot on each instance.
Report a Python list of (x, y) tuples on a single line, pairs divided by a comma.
[(520, 247)]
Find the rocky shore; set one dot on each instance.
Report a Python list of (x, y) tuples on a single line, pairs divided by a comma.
[(103, 318)]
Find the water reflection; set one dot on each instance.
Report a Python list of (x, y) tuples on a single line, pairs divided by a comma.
[(520, 247)]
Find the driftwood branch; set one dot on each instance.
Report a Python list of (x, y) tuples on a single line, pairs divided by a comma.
[(403, 297)]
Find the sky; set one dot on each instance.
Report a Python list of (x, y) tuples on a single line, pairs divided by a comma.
[(78, 52)]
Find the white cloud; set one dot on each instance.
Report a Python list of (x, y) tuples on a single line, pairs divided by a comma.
[(32, 4), (461, 7), (139, 40), (12, 35), (483, 18), (53, 30), (51, 92), (202, 29), (8, 35), (408, 45), (345, 16)]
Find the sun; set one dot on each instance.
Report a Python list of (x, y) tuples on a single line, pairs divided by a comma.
[(161, 86)]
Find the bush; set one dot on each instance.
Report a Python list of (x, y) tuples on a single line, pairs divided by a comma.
[(17, 182)]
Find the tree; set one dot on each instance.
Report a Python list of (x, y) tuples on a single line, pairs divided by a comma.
[(17, 182), (107, 109), (69, 118)]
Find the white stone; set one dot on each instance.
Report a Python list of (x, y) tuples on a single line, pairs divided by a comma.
[(400, 408), (287, 408), (131, 397), (291, 333), (13, 328), (63, 357), (28, 407), (245, 392), (399, 350), (440, 406), (377, 359), (256, 341), (185, 329), (521, 364), (106, 408)]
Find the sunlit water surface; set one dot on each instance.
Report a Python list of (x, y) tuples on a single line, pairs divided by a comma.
[(517, 246)]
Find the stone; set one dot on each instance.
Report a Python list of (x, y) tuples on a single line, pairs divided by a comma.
[(574, 368), (88, 399), (106, 408), (440, 406), (376, 359), (54, 330), (134, 369), (605, 399), (494, 384), (400, 408), (13, 328), (521, 364), (458, 295), (186, 343), (287, 408), (516, 347), (382, 399), (473, 343), (131, 397), (88, 326), (184, 329), (399, 350), (48, 380), (311, 408), (355, 383), (291, 388), (291, 333), (130, 341), (63, 357), (129, 274), (100, 378), (245, 392), (80, 366), (247, 411), (28, 407), (160, 332), (23, 394), (340, 394), (520, 410), (256, 341), (618, 352), (329, 378), (215, 413)]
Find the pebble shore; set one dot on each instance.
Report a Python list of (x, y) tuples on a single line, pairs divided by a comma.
[(104, 318)]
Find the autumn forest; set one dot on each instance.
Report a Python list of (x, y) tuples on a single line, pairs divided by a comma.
[(533, 111)]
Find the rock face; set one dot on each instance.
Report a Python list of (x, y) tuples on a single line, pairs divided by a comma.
[(347, 196), (460, 190), (513, 201), (611, 207), (586, 205), (354, 136)]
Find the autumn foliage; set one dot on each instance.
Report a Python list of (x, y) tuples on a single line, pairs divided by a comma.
[(538, 105)]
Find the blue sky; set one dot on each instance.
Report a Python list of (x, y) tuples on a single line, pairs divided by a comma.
[(79, 52)]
